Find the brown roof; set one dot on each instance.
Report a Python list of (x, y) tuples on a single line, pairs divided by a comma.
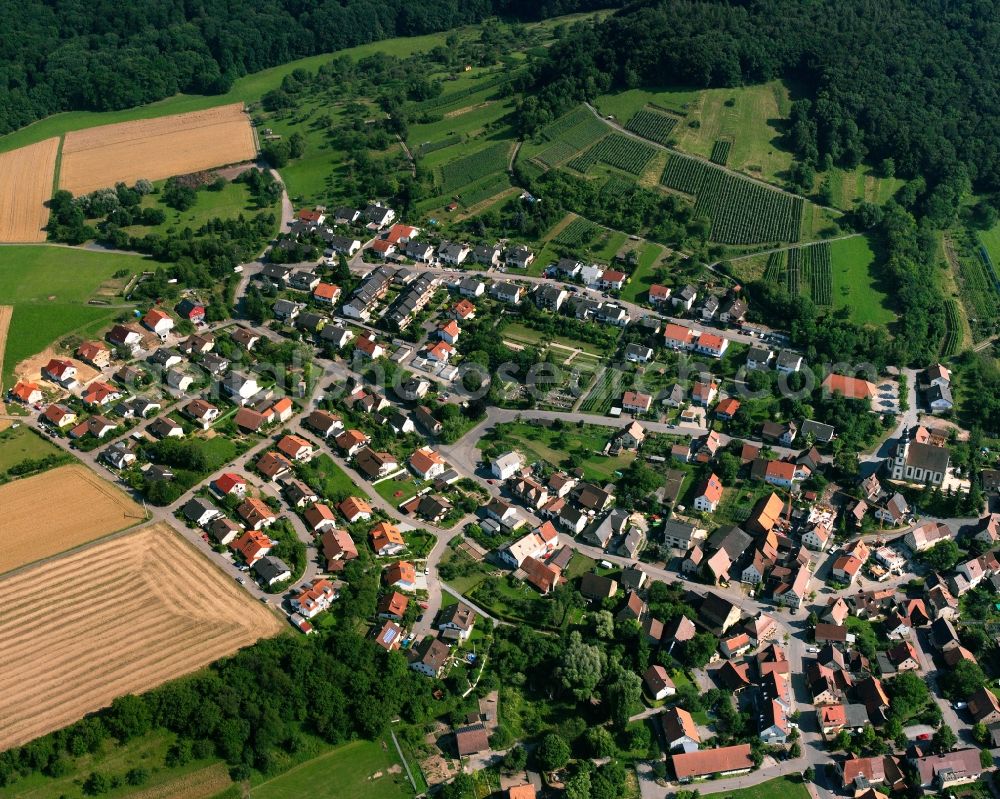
[(677, 723), (712, 761), (472, 739)]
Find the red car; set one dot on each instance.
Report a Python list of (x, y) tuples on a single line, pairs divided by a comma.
[(925, 736)]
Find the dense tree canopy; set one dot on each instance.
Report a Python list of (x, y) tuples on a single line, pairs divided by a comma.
[(103, 55), (909, 85)]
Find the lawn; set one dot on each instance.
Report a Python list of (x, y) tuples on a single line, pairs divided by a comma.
[(555, 445), (991, 241), (855, 284), (21, 444), (49, 287), (346, 772), (642, 278), (522, 334), (247, 89), (329, 479), (396, 491), (233, 200), (780, 788)]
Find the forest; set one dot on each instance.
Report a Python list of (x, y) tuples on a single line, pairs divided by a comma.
[(104, 56), (909, 80)]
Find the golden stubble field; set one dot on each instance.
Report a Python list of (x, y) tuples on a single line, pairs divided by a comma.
[(159, 148), (26, 176), (58, 510), (121, 616)]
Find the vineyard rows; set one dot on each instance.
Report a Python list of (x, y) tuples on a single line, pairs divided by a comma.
[(429, 147), (978, 289), (578, 115), (618, 151), (720, 152), (474, 166), (794, 274), (483, 191), (578, 233), (953, 329), (775, 269), (742, 211), (556, 153), (684, 174), (821, 273), (615, 186), (652, 125)]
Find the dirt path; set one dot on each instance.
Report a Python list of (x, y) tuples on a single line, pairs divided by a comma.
[(6, 312)]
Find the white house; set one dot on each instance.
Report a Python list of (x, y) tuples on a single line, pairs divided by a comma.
[(506, 465)]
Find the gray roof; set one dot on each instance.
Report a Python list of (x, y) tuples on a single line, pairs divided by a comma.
[(270, 568), (732, 539), (678, 530), (820, 432)]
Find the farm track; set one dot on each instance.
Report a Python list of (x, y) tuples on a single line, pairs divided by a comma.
[(146, 608), (6, 313)]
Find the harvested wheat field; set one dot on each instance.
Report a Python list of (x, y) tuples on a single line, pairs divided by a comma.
[(26, 176), (155, 148), (58, 510), (121, 616)]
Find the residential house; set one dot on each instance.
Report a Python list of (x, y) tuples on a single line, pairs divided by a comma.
[(274, 465), (355, 509), (337, 546), (401, 575), (431, 658), (658, 683), (457, 621), (636, 402), (200, 512), (271, 570), (684, 299), (708, 494), (679, 730), (255, 513)]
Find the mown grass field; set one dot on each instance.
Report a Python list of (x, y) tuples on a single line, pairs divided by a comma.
[(847, 187), (49, 287), (347, 772), (21, 444), (642, 278), (780, 788), (229, 203), (855, 282)]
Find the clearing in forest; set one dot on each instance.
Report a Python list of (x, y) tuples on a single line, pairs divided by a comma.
[(119, 617), (26, 176), (96, 158)]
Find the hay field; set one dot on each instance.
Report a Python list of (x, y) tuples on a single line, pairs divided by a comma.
[(155, 148), (119, 617), (26, 176), (58, 510)]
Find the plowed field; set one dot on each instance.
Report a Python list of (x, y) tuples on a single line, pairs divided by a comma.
[(58, 510), (26, 176), (95, 158), (122, 616)]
